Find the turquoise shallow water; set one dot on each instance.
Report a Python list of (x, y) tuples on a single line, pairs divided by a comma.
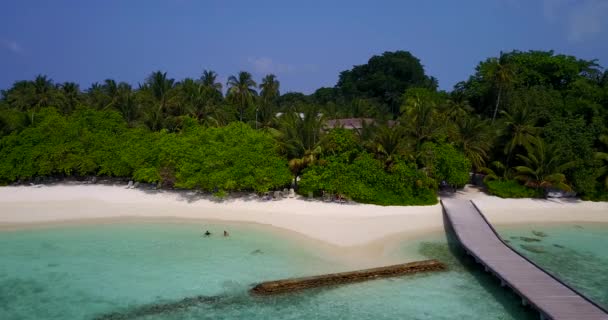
[(576, 253), (168, 271)]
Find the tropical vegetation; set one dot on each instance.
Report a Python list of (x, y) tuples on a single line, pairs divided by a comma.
[(530, 122)]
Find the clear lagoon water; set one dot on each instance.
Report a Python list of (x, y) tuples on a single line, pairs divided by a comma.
[(162, 270), (576, 253)]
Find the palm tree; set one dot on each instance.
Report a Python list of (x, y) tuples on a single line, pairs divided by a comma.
[(603, 156), (110, 90), (474, 136), (241, 91), (393, 98), (421, 118), (458, 108), (95, 96), (209, 80), (299, 136), (389, 142), (300, 133), (126, 102), (542, 167), (71, 97), (269, 89), (496, 171), (502, 74), (520, 130), (265, 112), (158, 96), (332, 110), (153, 118), (44, 91), (297, 165), (21, 95), (188, 97), (367, 132), (360, 108), (265, 117), (199, 101), (44, 94), (160, 87)]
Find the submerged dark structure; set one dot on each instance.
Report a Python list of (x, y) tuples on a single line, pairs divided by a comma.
[(295, 284), (551, 297)]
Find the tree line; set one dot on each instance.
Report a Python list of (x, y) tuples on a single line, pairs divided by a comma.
[(529, 121)]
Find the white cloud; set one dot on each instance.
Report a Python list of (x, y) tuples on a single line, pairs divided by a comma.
[(12, 46), (582, 18), (268, 65)]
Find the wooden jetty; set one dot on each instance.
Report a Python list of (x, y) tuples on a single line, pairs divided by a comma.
[(293, 284), (544, 292)]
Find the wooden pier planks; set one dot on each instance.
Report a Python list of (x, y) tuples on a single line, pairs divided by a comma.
[(549, 295)]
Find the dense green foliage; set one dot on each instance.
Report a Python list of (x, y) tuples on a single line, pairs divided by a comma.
[(234, 157), (90, 142), (365, 179), (347, 170), (552, 110), (384, 79), (531, 121), (444, 163)]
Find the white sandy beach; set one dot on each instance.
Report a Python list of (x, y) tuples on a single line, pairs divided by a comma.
[(336, 224)]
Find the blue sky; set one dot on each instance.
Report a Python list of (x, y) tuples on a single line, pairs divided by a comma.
[(305, 43)]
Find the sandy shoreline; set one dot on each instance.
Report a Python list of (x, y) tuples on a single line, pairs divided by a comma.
[(344, 225)]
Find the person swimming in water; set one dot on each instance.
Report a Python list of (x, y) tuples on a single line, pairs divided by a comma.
[(207, 233), (226, 233)]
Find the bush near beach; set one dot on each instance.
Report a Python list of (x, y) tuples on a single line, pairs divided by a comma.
[(512, 189), (88, 142)]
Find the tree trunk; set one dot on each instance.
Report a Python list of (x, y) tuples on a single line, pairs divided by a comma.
[(497, 103)]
